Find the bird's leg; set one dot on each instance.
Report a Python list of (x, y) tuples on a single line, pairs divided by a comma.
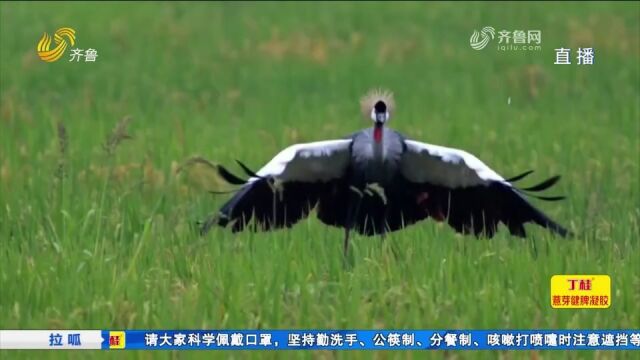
[(352, 213), (351, 217), (346, 240), (383, 227), (375, 190)]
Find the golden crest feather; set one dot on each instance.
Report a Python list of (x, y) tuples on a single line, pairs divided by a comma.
[(372, 97)]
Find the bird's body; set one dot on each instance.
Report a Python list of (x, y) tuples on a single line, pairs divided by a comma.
[(376, 162), (376, 181)]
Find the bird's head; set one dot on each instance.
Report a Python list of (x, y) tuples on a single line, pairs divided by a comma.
[(377, 105)]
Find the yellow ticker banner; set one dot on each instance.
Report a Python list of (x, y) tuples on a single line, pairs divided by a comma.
[(580, 291), (116, 340)]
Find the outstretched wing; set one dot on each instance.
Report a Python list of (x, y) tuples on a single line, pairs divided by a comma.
[(455, 185), (439, 165), (284, 190), (310, 162)]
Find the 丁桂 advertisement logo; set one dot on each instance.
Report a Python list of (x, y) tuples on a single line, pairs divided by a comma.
[(580, 291)]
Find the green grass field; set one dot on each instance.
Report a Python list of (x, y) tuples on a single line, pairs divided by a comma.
[(95, 236)]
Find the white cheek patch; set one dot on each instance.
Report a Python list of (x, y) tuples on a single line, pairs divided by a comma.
[(387, 115)]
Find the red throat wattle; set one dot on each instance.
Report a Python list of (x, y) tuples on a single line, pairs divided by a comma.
[(377, 133)]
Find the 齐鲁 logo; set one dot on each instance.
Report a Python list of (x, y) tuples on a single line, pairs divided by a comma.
[(62, 38)]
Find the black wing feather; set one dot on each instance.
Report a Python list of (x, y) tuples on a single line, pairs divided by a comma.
[(519, 177), (247, 170), (479, 209), (230, 177), (544, 185), (264, 208)]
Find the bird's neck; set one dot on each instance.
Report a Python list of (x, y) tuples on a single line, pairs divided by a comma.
[(377, 145), (377, 133)]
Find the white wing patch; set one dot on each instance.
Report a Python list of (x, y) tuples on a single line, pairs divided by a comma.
[(310, 162), (439, 165)]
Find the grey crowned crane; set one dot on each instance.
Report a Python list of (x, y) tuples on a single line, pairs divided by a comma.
[(376, 181)]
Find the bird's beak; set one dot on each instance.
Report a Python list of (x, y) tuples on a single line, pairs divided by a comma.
[(380, 117)]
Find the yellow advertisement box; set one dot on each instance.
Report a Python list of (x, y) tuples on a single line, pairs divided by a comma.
[(580, 291), (116, 340)]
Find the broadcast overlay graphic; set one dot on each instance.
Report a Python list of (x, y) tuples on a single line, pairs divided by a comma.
[(322, 339), (354, 176), (580, 291), (63, 37), (567, 292)]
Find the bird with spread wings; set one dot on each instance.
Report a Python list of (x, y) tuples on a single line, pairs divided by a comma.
[(377, 181)]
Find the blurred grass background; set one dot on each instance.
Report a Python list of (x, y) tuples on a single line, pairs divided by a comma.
[(91, 239)]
